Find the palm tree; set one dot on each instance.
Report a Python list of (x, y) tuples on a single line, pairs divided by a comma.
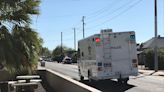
[(19, 44)]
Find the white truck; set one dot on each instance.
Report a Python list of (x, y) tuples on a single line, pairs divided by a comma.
[(108, 55)]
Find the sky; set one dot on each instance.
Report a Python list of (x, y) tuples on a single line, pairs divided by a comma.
[(58, 16)]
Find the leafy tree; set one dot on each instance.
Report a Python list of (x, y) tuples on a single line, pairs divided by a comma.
[(61, 51), (19, 44), (57, 51), (45, 51), (66, 51)]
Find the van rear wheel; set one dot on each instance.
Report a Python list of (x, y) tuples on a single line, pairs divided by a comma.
[(123, 81), (81, 78), (90, 77)]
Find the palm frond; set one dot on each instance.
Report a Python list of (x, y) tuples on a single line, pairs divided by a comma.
[(19, 44)]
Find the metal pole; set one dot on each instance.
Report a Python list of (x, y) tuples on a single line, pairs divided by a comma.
[(74, 38), (155, 47), (61, 43), (83, 26)]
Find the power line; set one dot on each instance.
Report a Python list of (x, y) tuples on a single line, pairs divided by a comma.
[(117, 14), (96, 12), (79, 29), (69, 37), (104, 9), (111, 12), (99, 11)]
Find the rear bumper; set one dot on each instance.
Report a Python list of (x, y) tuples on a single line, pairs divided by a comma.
[(113, 76)]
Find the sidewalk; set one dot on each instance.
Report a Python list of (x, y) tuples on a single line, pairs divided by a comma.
[(142, 70)]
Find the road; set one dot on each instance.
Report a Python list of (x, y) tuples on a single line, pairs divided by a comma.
[(140, 83)]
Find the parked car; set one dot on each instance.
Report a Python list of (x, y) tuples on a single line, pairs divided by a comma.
[(49, 59), (40, 59), (67, 60), (59, 59)]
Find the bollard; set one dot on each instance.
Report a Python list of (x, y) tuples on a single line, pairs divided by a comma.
[(42, 63)]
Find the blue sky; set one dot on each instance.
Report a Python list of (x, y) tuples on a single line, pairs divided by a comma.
[(58, 16)]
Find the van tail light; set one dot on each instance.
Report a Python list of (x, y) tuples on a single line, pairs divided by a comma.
[(97, 39), (134, 63), (99, 68)]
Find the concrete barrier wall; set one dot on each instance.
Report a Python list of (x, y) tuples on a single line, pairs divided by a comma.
[(5, 76), (61, 83)]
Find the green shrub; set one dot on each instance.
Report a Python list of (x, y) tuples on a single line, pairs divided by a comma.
[(149, 58)]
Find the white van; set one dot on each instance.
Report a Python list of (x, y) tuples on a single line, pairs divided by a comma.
[(108, 55)]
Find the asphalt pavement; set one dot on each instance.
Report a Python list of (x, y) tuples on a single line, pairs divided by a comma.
[(146, 81)]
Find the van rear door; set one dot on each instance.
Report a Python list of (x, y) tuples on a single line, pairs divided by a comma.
[(123, 52), (119, 51)]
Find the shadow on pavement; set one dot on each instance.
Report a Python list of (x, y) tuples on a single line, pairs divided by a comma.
[(108, 85), (151, 74), (46, 86)]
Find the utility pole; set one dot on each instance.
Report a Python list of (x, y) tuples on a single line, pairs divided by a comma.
[(74, 38), (61, 43), (155, 28), (83, 25)]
